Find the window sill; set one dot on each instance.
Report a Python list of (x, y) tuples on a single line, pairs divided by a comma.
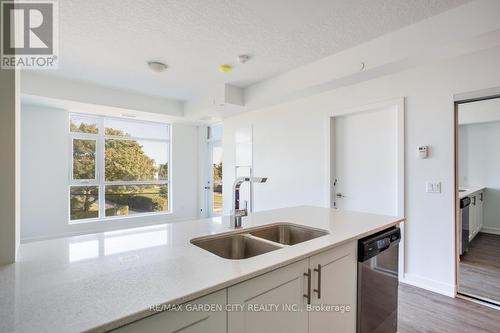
[(119, 217)]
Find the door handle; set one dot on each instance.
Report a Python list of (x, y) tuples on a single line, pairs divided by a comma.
[(318, 290), (308, 294), (339, 195)]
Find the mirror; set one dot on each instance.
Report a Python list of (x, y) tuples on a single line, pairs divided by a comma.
[(478, 149)]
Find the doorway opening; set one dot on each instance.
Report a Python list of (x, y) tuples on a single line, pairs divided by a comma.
[(214, 183), (477, 194), (367, 162)]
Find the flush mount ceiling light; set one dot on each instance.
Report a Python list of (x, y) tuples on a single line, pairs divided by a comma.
[(157, 66), (225, 68)]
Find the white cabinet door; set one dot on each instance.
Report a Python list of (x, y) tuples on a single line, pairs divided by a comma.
[(476, 213), (334, 283), (472, 217), (283, 287), (183, 321), (480, 211)]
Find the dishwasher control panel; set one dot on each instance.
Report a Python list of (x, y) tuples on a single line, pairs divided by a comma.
[(372, 245)]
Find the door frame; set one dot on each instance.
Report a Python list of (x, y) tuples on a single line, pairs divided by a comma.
[(399, 104), (210, 180), (464, 98)]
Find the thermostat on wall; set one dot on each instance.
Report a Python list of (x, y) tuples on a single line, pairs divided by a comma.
[(423, 151)]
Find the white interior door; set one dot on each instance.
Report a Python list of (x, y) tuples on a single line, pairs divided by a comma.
[(368, 161)]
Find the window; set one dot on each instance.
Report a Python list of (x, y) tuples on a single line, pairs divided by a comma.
[(119, 167)]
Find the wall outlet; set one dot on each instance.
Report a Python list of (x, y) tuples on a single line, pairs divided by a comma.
[(433, 187)]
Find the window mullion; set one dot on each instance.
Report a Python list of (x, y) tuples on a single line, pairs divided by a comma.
[(83, 136), (136, 182), (134, 138), (101, 168)]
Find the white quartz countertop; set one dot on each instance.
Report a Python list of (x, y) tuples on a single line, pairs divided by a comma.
[(102, 281), (469, 190)]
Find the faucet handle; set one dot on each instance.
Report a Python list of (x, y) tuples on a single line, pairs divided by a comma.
[(242, 211), (236, 216)]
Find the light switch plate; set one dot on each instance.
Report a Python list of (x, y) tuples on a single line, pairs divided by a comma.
[(433, 187)]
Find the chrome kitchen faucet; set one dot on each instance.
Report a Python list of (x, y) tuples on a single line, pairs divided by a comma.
[(236, 212)]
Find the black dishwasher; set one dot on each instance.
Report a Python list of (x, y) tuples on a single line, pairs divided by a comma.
[(377, 308)]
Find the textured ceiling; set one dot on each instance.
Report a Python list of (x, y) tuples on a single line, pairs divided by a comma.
[(109, 41)]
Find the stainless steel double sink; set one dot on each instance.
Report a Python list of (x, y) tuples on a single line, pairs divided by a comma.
[(247, 243)]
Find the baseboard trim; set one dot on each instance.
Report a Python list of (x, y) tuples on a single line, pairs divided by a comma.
[(429, 284), (490, 230)]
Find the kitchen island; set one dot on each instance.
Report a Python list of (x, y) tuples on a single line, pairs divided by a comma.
[(103, 281)]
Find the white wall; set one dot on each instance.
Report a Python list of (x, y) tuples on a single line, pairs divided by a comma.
[(290, 139), (45, 164), (286, 149), (9, 164), (479, 153)]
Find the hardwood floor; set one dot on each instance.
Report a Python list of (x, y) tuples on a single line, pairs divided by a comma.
[(422, 311), (480, 268)]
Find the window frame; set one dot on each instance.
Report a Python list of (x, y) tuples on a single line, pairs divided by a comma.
[(100, 174), (212, 141)]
